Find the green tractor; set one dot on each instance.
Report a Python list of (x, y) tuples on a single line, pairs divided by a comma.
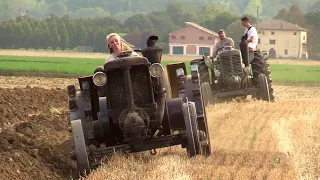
[(229, 75)]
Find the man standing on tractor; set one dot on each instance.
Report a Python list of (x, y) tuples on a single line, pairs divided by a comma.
[(224, 41), (251, 37)]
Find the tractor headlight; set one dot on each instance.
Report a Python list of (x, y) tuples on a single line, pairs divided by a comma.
[(194, 67), (217, 73), (156, 70), (99, 79), (180, 73)]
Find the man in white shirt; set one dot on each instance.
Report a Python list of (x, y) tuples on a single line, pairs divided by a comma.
[(251, 37)]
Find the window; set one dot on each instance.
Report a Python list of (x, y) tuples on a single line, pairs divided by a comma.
[(286, 52), (272, 33), (272, 41), (295, 33), (201, 38), (173, 37), (182, 37), (258, 41), (304, 37), (210, 38)]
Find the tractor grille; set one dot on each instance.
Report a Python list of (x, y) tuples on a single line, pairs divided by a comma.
[(140, 87), (230, 65)]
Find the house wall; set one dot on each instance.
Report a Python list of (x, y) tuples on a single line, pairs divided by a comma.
[(192, 39), (288, 44)]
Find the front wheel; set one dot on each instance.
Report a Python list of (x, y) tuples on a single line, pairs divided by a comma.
[(198, 140)]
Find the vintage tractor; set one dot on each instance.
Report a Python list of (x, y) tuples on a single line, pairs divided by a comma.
[(229, 75), (124, 107)]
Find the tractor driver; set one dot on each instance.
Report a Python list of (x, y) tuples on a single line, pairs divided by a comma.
[(224, 41), (116, 45)]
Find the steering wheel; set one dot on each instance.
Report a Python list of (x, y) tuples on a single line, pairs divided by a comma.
[(124, 53), (137, 50), (224, 48)]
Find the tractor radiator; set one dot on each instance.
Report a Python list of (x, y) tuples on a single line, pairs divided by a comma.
[(230, 65), (140, 87)]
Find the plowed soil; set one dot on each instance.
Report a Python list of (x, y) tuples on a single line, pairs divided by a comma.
[(250, 139)]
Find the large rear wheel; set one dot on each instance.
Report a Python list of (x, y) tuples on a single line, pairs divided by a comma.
[(260, 65), (264, 88), (203, 71)]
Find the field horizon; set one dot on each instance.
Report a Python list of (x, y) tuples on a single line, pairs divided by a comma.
[(73, 64)]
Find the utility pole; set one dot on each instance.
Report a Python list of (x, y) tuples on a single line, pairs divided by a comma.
[(257, 26), (257, 17)]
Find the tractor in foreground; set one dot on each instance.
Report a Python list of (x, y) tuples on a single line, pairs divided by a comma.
[(124, 107), (229, 75)]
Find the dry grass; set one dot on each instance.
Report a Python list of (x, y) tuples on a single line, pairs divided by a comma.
[(250, 140)]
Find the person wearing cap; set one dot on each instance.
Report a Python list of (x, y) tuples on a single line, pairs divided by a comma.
[(251, 37), (223, 41), (116, 45)]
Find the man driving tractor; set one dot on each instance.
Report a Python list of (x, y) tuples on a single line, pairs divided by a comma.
[(224, 41)]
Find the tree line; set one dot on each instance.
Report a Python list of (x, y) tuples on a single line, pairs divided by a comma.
[(123, 9), (65, 32)]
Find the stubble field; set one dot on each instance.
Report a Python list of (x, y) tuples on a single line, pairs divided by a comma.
[(250, 139)]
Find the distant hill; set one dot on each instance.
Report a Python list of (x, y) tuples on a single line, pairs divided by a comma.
[(122, 9)]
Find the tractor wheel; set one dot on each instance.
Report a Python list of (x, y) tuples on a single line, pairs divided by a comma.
[(203, 71), (260, 65), (80, 147), (264, 88), (206, 94), (198, 141)]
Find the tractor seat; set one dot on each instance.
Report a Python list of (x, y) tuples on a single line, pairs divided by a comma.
[(125, 62)]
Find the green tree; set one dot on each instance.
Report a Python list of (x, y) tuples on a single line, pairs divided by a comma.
[(37, 38), (81, 35), (28, 34), (140, 21), (100, 44), (223, 20), (10, 34), (295, 15), (313, 37), (64, 37), (176, 13), (58, 8), (282, 14), (314, 7), (235, 30), (3, 35), (54, 38), (71, 28), (252, 6), (45, 36), (19, 37)]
